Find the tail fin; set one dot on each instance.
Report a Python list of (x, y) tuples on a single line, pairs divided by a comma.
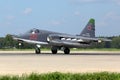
[(89, 30)]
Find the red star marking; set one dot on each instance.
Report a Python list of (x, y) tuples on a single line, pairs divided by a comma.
[(89, 27), (33, 37)]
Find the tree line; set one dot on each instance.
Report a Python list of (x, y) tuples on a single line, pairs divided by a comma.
[(8, 42)]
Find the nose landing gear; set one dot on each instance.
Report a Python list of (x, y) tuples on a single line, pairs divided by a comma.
[(37, 49)]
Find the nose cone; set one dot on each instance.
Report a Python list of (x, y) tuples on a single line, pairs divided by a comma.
[(15, 37), (21, 36)]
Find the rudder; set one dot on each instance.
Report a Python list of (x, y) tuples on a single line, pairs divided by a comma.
[(89, 30)]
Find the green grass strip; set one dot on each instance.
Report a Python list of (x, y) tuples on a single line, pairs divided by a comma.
[(65, 76)]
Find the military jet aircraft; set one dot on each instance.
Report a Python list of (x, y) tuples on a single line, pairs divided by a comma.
[(61, 41)]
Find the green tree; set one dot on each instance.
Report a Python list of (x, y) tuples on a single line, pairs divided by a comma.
[(9, 42), (115, 42), (2, 42)]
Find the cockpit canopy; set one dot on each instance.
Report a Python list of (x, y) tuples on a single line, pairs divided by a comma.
[(34, 30)]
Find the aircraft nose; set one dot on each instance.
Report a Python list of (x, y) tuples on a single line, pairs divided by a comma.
[(15, 37), (19, 37)]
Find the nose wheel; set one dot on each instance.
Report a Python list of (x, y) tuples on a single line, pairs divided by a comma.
[(37, 50)]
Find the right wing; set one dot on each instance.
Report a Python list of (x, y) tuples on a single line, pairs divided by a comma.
[(29, 41)]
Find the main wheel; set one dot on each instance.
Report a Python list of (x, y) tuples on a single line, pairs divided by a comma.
[(66, 51), (54, 50), (37, 50)]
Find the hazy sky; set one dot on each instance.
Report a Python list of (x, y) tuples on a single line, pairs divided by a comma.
[(66, 16)]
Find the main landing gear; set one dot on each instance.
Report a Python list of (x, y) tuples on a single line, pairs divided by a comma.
[(65, 49), (54, 50)]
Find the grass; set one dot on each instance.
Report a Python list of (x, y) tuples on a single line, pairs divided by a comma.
[(65, 76)]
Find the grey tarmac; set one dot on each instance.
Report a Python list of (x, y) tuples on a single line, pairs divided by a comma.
[(19, 62)]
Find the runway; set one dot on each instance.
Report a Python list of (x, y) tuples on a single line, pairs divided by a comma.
[(27, 62)]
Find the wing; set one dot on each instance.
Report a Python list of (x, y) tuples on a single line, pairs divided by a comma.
[(75, 38), (28, 40), (70, 40)]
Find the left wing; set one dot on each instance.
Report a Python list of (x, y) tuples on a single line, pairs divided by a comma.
[(72, 41), (72, 38)]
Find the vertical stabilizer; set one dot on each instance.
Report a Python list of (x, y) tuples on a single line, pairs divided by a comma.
[(89, 30)]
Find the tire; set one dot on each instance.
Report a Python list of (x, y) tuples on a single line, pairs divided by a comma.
[(66, 51), (37, 50), (54, 50)]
